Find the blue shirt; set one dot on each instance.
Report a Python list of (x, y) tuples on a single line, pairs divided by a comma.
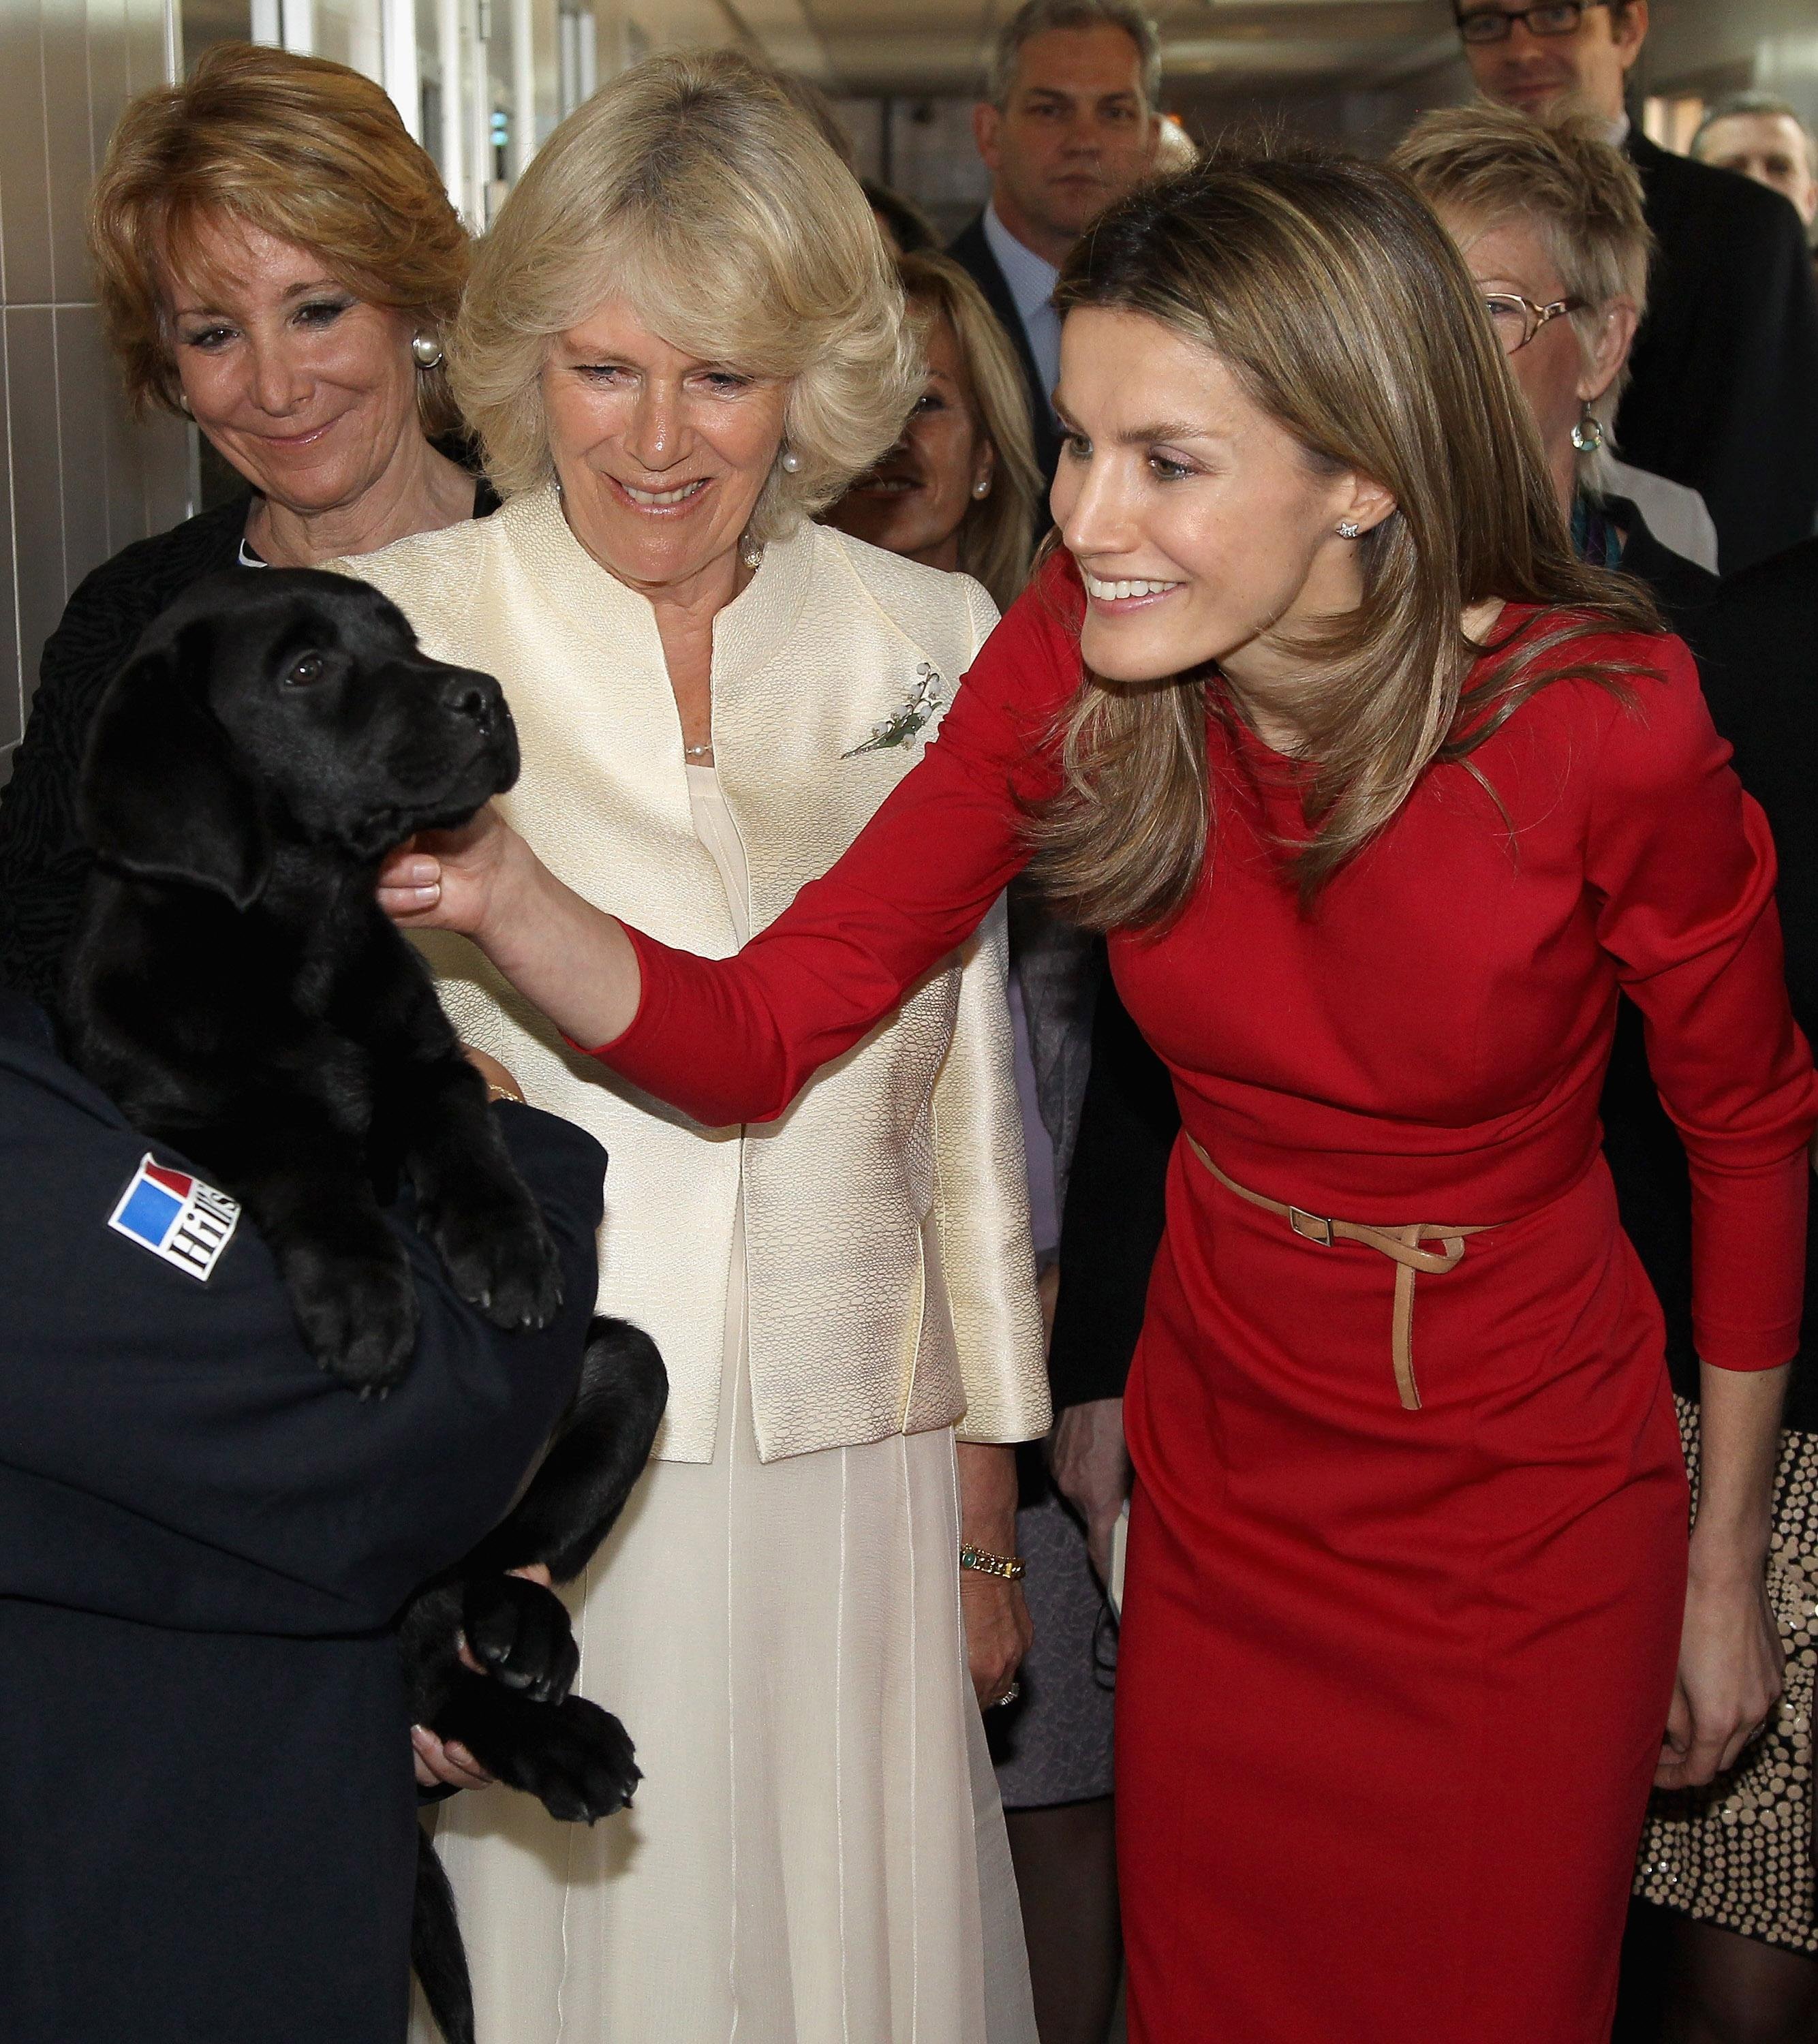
[(1031, 280)]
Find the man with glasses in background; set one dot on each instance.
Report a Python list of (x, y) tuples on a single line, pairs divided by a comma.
[(1723, 390)]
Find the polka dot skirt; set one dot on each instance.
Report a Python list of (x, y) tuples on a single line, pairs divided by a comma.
[(1738, 1853)]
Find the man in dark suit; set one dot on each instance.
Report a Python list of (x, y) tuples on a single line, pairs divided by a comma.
[(1069, 126), (1723, 392), (205, 1764)]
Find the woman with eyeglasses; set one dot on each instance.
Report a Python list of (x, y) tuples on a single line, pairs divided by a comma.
[(1549, 222)]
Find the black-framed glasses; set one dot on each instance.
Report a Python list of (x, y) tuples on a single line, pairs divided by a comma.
[(1497, 24), (1517, 320)]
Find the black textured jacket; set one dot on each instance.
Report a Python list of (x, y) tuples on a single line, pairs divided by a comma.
[(210, 1814), (43, 862)]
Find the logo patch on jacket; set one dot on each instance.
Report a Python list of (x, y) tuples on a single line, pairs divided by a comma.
[(178, 1218)]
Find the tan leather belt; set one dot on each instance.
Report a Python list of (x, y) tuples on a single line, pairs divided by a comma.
[(1400, 1245)]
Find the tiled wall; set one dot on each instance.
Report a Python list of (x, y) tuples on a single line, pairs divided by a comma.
[(78, 479)]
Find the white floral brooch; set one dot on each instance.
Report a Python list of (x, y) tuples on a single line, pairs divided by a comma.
[(902, 724)]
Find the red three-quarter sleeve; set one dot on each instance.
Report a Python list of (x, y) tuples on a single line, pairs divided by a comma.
[(1681, 864), (735, 1039)]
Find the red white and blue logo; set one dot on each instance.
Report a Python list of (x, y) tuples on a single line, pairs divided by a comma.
[(181, 1221)]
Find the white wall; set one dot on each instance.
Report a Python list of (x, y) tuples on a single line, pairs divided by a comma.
[(78, 479)]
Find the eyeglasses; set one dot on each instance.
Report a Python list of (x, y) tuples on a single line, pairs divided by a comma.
[(1497, 24), (1517, 320)]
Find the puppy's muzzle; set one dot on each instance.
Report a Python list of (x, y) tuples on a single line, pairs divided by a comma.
[(476, 698)]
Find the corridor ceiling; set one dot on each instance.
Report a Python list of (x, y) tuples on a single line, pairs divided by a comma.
[(935, 46)]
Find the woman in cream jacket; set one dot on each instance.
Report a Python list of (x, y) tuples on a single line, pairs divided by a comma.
[(683, 335)]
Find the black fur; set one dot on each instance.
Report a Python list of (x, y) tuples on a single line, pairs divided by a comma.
[(233, 985)]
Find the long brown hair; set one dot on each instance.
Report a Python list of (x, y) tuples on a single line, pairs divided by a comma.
[(1340, 303)]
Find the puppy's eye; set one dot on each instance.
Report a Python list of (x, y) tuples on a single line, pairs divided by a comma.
[(301, 672)]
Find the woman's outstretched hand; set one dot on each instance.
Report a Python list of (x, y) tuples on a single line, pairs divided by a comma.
[(566, 957), (446, 880)]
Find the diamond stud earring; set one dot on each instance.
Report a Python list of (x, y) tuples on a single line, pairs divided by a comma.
[(1348, 528), (427, 349)]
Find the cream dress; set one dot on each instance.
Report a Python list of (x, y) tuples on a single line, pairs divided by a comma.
[(817, 1853)]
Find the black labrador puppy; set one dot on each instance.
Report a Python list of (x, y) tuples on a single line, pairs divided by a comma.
[(233, 985)]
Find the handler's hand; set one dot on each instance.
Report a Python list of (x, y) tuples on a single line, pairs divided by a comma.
[(440, 1765), (447, 880), (1091, 1469), (1729, 1679), (447, 1764)]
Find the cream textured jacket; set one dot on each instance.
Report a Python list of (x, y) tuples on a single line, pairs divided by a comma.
[(890, 1279)]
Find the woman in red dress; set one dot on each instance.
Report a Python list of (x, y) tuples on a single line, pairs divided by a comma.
[(1382, 796)]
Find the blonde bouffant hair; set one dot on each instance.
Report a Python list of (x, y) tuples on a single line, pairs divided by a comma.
[(693, 189), (306, 150)]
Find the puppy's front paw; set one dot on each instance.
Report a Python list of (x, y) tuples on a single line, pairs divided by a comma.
[(576, 1758), (499, 1255), (519, 1632), (583, 1768), (358, 1313)]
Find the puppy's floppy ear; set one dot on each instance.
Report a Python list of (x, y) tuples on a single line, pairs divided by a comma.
[(161, 795)]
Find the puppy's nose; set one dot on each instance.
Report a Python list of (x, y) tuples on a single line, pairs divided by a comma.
[(476, 697)]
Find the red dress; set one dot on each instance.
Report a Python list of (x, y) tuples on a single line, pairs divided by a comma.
[(1392, 1681)]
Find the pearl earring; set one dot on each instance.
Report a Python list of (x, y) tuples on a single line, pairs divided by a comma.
[(791, 461), (1348, 528), (982, 487), (427, 349)]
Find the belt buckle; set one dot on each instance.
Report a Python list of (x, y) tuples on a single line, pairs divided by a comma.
[(1310, 1227)]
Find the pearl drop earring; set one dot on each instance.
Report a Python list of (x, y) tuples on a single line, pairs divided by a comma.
[(791, 461), (427, 349)]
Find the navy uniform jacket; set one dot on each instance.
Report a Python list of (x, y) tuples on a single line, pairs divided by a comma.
[(206, 1799)]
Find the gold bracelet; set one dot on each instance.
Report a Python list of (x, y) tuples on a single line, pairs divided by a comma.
[(1009, 1567), (502, 1093)]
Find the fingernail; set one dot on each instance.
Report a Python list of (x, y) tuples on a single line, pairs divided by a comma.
[(425, 896)]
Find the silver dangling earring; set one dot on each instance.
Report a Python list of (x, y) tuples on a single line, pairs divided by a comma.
[(1348, 528), (750, 552), (427, 349), (791, 461), (1587, 434), (982, 487)]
